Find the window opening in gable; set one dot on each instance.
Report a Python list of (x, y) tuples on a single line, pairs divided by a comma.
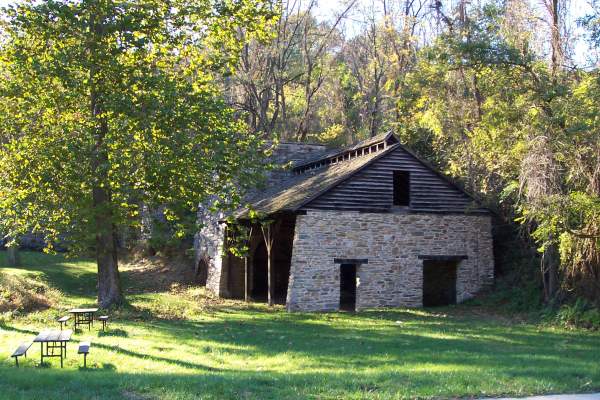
[(401, 188)]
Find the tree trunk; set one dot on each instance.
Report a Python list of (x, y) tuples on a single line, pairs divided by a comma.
[(12, 255), (269, 277), (109, 285), (550, 261), (555, 39)]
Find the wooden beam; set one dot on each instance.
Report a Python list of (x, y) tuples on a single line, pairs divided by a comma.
[(246, 297), (443, 257), (351, 260), (248, 242)]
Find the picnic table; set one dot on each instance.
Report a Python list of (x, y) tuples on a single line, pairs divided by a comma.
[(54, 339), (83, 316)]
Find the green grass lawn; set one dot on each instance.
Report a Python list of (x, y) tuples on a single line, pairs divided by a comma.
[(178, 343)]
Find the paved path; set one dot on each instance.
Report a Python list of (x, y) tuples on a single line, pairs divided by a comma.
[(590, 396)]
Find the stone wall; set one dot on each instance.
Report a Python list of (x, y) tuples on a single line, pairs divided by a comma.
[(393, 276), (208, 247)]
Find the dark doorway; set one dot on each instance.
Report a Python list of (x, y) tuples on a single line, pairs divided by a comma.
[(201, 272), (348, 287), (260, 285), (439, 283)]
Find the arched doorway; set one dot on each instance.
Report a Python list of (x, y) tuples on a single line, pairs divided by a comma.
[(260, 284)]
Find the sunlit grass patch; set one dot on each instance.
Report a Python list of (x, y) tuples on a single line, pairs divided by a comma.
[(175, 341)]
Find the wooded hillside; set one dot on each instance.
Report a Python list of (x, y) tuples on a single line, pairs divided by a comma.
[(492, 92), (109, 109)]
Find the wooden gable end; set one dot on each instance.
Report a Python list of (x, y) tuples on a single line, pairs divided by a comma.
[(371, 189)]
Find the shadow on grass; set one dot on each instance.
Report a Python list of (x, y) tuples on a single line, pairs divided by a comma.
[(60, 272), (4, 326), (429, 354), (330, 340), (104, 367), (131, 353), (234, 384), (113, 332)]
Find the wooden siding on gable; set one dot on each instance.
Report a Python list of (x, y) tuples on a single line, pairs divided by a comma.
[(371, 189)]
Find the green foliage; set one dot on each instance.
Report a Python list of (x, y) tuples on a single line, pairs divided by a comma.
[(525, 137), (514, 294), (334, 135), (120, 97), (579, 314)]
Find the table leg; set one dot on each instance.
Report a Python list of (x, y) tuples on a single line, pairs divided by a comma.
[(41, 353)]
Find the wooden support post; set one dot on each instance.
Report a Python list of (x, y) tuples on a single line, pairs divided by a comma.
[(246, 286), (267, 230), (246, 299)]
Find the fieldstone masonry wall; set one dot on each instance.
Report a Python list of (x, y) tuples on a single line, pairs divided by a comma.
[(392, 243), (208, 247)]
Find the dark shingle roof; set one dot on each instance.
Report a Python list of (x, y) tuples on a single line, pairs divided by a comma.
[(310, 179), (297, 190)]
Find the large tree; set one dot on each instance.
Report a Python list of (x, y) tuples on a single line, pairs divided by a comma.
[(109, 104)]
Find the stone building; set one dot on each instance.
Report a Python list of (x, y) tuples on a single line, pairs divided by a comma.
[(367, 226)]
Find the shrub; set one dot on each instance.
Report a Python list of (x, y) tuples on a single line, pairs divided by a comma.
[(20, 294), (513, 293), (579, 314)]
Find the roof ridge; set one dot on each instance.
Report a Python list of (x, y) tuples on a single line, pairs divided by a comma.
[(377, 139), (334, 184)]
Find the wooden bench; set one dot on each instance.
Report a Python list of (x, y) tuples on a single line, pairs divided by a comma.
[(84, 348), (104, 320), (21, 351), (63, 321)]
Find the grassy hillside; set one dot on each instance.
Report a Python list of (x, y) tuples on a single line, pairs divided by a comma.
[(174, 342)]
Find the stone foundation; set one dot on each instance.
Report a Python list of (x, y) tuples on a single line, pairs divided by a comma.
[(392, 244)]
